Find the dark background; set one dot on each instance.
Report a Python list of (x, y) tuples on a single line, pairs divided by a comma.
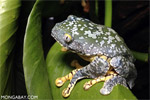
[(129, 18)]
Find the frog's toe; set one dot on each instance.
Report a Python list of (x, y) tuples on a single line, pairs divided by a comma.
[(111, 82), (90, 83), (107, 88), (59, 82), (87, 86), (65, 92), (64, 49), (105, 91)]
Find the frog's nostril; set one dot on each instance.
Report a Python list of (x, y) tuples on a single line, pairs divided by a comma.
[(71, 17)]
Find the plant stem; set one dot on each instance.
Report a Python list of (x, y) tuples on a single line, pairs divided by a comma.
[(108, 13), (108, 22), (140, 56), (96, 7)]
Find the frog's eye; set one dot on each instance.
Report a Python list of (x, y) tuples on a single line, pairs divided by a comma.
[(67, 38)]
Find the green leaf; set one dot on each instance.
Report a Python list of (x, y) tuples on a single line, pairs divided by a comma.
[(9, 12), (58, 65), (36, 77)]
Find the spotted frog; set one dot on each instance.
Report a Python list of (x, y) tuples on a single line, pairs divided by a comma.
[(110, 59)]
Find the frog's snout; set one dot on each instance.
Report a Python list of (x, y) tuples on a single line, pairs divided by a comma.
[(71, 17)]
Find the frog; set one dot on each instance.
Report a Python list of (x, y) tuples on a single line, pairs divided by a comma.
[(110, 60)]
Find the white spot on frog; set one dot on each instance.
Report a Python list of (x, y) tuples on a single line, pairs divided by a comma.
[(75, 33), (99, 28), (85, 25), (97, 33), (79, 24), (111, 30), (110, 51), (90, 28), (110, 38), (74, 30), (90, 34), (105, 38), (123, 48), (107, 33), (109, 41), (78, 18), (70, 23), (90, 24), (112, 46), (118, 38), (81, 37), (82, 28), (102, 42)]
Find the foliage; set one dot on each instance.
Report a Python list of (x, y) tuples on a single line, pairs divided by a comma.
[(58, 65), (40, 74), (9, 12), (36, 77)]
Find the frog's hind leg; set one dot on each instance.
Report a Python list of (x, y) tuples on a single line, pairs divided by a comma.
[(90, 83), (97, 67), (60, 81), (76, 64), (110, 82), (66, 92), (125, 68)]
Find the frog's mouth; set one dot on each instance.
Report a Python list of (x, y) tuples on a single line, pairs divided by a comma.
[(73, 46), (57, 34)]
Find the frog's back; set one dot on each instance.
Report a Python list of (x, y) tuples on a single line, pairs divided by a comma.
[(104, 41), (95, 39)]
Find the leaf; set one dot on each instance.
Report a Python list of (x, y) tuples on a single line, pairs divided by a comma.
[(36, 77), (9, 12), (58, 65)]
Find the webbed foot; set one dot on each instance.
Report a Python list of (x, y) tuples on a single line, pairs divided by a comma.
[(74, 76), (110, 80), (90, 83), (60, 81)]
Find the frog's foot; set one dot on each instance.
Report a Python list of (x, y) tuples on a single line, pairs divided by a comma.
[(66, 92), (76, 64), (60, 81), (110, 82), (90, 83), (78, 75), (64, 49)]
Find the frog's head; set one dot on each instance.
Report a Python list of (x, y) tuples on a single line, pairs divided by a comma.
[(67, 33)]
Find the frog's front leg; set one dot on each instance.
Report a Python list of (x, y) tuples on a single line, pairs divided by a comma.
[(125, 68), (97, 67), (60, 81), (110, 82)]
